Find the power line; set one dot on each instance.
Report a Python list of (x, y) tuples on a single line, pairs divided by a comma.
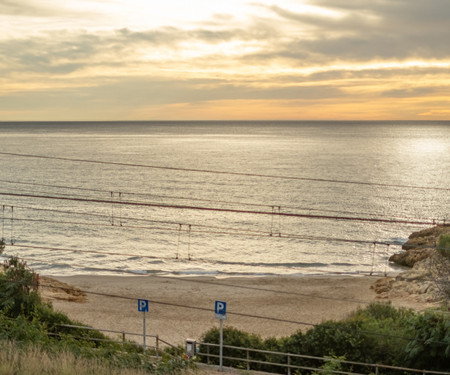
[(190, 198), (245, 315), (216, 209), (277, 291), (198, 260), (191, 259), (156, 302), (130, 218), (223, 172), (228, 285), (232, 231), (91, 251), (254, 316)]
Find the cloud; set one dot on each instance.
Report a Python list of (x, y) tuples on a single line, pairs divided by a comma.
[(64, 52), (361, 49), (365, 30), (24, 8), (413, 92), (361, 31), (40, 9), (56, 53)]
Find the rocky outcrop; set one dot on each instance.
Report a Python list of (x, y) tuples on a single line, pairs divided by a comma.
[(411, 257), (420, 245), (429, 272), (52, 289)]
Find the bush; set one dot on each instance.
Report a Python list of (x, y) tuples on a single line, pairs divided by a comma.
[(25, 319), (379, 333), (386, 331), (430, 347), (343, 339), (444, 245), (232, 337), (18, 288)]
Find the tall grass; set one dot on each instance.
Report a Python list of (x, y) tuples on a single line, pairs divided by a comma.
[(33, 361)]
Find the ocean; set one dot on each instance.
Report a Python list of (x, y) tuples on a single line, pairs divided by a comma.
[(219, 198)]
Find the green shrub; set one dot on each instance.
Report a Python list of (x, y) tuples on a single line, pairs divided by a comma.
[(430, 347), (386, 331), (232, 337), (379, 333), (25, 319), (331, 366), (18, 288), (444, 245), (21, 329), (344, 339)]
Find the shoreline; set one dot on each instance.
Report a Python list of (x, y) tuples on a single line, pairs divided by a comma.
[(183, 307)]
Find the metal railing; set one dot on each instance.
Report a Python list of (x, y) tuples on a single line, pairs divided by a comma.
[(288, 362), (158, 340), (289, 358)]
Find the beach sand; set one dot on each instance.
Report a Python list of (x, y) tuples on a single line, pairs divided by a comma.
[(300, 300)]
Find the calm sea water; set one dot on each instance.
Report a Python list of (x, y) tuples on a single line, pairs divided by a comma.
[(87, 234)]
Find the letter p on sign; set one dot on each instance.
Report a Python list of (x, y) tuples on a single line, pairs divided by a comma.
[(221, 310), (142, 305)]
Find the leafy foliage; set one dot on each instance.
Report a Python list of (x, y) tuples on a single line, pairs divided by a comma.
[(330, 367), (444, 245), (386, 331), (25, 319), (430, 346), (18, 288), (379, 333), (232, 337)]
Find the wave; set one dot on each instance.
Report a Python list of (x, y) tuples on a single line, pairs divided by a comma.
[(273, 264)]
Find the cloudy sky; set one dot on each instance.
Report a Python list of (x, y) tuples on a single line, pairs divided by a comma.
[(224, 59)]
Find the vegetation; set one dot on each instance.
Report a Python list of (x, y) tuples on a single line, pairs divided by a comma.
[(441, 267), (18, 360), (31, 337), (379, 333), (444, 245)]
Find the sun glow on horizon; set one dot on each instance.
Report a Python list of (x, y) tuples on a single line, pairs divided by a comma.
[(299, 59)]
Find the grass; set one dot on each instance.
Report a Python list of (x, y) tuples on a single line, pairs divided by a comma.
[(31, 360)]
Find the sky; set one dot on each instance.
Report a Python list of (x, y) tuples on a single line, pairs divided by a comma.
[(81, 60)]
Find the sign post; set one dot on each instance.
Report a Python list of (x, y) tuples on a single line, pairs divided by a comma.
[(143, 306), (220, 310)]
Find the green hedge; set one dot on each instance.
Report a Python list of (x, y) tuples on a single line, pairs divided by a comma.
[(379, 333)]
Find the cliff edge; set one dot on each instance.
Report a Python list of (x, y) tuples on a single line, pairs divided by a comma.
[(428, 278)]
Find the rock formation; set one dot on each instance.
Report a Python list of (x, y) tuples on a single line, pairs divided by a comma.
[(428, 279)]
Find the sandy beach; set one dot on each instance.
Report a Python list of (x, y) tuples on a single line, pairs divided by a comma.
[(183, 308)]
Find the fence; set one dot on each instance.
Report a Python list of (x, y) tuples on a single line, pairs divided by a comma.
[(158, 340), (266, 358)]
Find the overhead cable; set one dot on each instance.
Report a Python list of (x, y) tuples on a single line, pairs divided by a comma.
[(223, 172), (217, 209)]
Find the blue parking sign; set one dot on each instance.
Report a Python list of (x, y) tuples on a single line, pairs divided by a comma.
[(143, 305), (220, 310)]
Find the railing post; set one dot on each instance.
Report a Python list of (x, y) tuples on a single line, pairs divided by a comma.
[(376, 369), (248, 360), (289, 363), (207, 354), (123, 337), (157, 345)]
